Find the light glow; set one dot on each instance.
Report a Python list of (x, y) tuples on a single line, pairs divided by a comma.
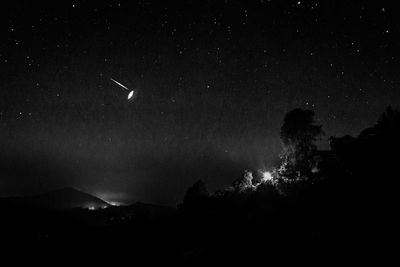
[(114, 203), (266, 176), (130, 95)]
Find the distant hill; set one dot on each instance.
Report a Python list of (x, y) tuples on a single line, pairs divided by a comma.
[(65, 198), (69, 214)]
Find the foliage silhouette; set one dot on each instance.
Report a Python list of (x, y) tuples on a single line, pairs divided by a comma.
[(298, 134), (349, 196)]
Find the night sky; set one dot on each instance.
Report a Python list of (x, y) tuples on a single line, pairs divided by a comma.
[(214, 80)]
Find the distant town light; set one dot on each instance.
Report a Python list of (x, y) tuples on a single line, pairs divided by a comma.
[(266, 176), (113, 203)]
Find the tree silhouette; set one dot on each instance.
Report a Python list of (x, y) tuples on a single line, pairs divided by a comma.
[(244, 182), (195, 206), (389, 121), (298, 135), (196, 193)]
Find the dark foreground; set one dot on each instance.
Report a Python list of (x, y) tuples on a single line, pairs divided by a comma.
[(146, 235), (340, 209)]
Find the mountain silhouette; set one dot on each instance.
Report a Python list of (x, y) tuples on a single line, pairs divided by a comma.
[(64, 198)]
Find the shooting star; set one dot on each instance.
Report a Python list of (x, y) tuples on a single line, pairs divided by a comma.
[(120, 84), (132, 93)]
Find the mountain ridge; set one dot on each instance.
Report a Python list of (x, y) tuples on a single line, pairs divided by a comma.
[(63, 198)]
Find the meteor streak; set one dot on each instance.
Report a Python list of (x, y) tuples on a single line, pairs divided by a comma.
[(120, 84), (132, 94)]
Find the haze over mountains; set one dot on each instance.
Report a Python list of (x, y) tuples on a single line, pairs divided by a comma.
[(65, 198)]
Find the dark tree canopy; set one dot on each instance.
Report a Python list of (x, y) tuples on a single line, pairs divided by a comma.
[(389, 121), (298, 126), (298, 135), (196, 192)]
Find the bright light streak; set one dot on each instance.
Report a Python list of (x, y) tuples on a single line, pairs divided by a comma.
[(120, 84), (130, 94)]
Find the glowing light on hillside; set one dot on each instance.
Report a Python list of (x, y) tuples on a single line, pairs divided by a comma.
[(114, 203), (91, 208), (266, 176)]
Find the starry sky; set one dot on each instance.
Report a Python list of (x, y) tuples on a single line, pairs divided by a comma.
[(214, 80)]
